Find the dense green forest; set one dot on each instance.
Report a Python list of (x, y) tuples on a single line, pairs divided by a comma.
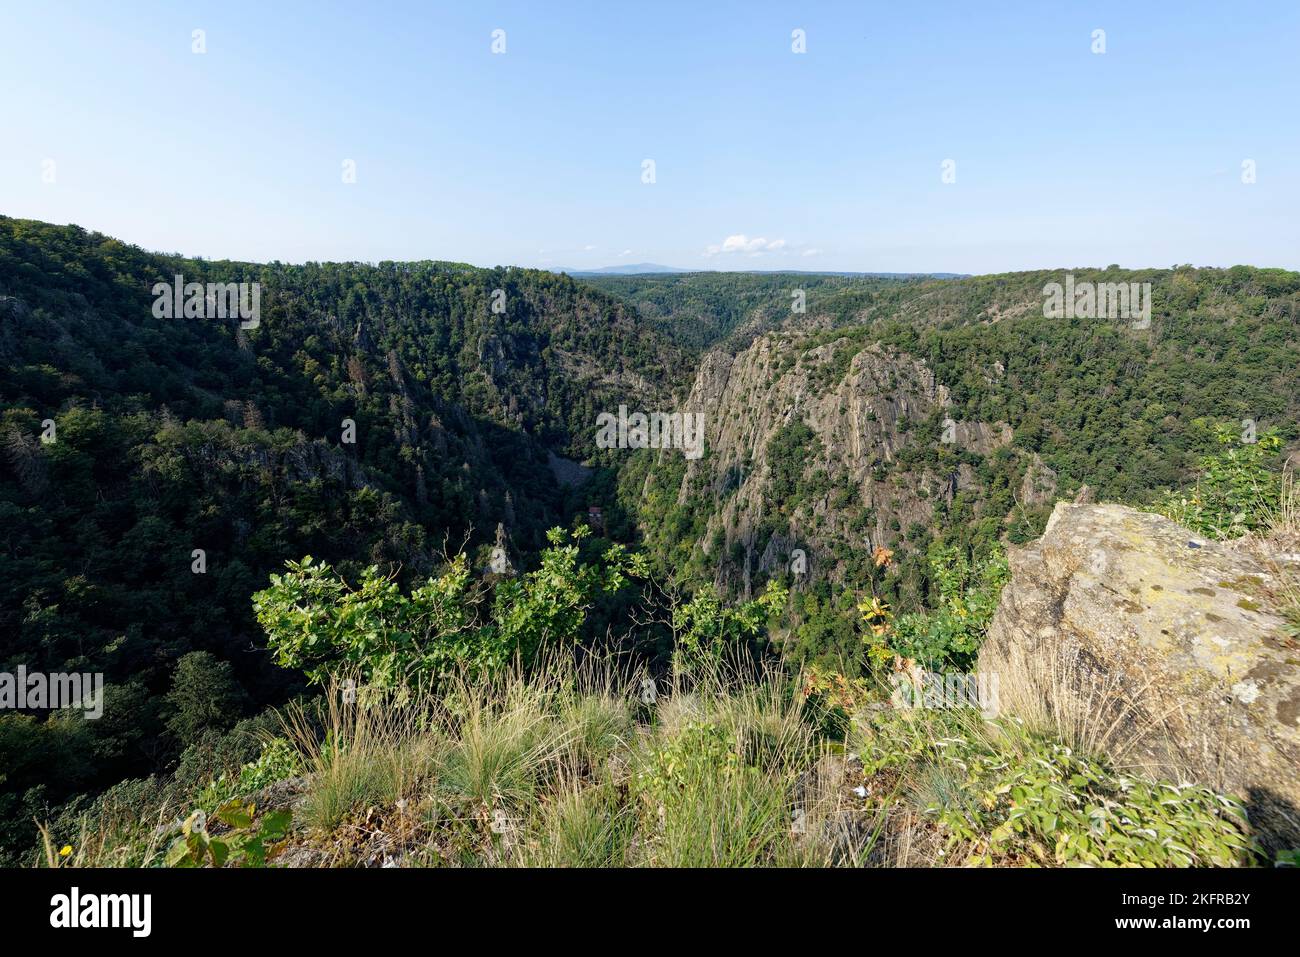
[(704, 309), (1129, 412), (176, 435), (157, 472)]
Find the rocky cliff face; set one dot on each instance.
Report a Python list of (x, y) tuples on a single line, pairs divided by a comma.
[(864, 405), (1168, 650)]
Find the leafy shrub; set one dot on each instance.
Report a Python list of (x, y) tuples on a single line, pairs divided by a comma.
[(278, 761), (249, 842), (699, 748), (706, 628), (888, 740), (1236, 489), (830, 700), (1055, 807), (216, 754), (968, 594), (548, 606), (315, 621), (1007, 796)]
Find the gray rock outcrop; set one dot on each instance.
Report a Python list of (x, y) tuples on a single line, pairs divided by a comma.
[(1129, 633)]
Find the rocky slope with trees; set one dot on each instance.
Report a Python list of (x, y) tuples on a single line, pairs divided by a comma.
[(383, 428)]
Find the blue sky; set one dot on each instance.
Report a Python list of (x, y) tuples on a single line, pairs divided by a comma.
[(764, 158)]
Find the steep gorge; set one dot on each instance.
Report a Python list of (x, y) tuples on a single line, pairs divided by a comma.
[(846, 485), (897, 413)]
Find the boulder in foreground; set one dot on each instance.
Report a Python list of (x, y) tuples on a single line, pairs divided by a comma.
[(1131, 634)]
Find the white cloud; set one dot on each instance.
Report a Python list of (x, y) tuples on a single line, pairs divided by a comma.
[(626, 252), (740, 243), (588, 248), (811, 252)]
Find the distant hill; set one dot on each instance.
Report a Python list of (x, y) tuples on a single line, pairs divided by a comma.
[(642, 269), (629, 269), (702, 309)]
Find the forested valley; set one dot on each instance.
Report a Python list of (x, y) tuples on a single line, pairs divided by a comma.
[(396, 469)]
